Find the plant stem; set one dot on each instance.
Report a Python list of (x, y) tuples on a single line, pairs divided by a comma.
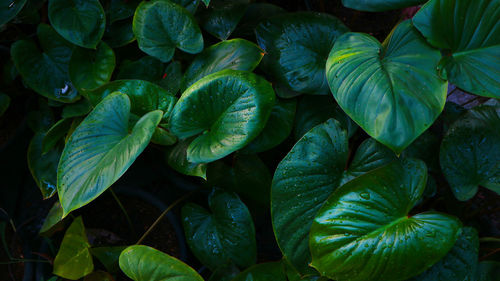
[(123, 210), (489, 239), (170, 207)]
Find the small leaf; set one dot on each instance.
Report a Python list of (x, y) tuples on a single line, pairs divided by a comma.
[(160, 26), (363, 231), (142, 263), (237, 54), (108, 256), (297, 46), (207, 2), (470, 152), (228, 108), (81, 22), (398, 78), (177, 159), (89, 69), (380, 5), (100, 150), (55, 134), (73, 261), (270, 271), (53, 219), (224, 234)]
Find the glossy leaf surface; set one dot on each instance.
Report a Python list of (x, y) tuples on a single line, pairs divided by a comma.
[(380, 5), (53, 218), (143, 263), (230, 108), (177, 159), (81, 22), (314, 168), (224, 234), (46, 70), (100, 150), (160, 26), (391, 90), (470, 152), (89, 69), (237, 54), (364, 232), (469, 34), (222, 16), (73, 261), (297, 46)]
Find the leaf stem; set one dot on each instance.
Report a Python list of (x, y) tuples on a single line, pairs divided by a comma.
[(170, 207), (129, 221)]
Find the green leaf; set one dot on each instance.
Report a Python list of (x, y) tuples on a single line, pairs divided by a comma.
[(237, 54), (255, 14), (142, 263), (108, 256), (469, 34), (425, 147), (190, 5), (224, 234), (4, 103), (222, 17), (53, 136), (73, 261), (99, 275), (364, 232), (81, 22), (246, 175), (470, 152), (77, 109), (297, 46), (53, 218), (176, 157), (9, 9), (314, 110), (100, 150), (119, 33), (43, 166), (397, 81), (380, 5), (122, 9), (144, 96), (160, 26), (269, 271), (461, 262), (146, 68), (89, 69), (226, 272), (46, 71), (277, 129), (162, 136), (207, 2), (315, 167), (172, 77), (228, 108)]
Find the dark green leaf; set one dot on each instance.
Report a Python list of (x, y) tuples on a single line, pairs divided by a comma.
[(397, 81), (81, 22), (162, 136), (297, 46), (160, 26), (108, 256), (54, 217), (9, 9), (380, 5), (470, 153), (172, 77), (89, 69), (277, 129), (73, 261), (122, 9), (255, 14), (100, 150), (228, 108), (146, 68), (119, 33), (190, 5), (237, 54), (77, 109), (222, 17), (46, 71), (142, 263), (177, 159), (4, 103), (270, 271), (364, 232), (469, 33), (315, 167), (488, 271), (425, 147), (225, 272), (223, 234), (54, 135)]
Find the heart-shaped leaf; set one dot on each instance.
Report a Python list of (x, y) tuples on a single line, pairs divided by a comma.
[(81, 22), (100, 150), (9, 9), (237, 54), (469, 34), (460, 263), (160, 26), (470, 152), (391, 90), (223, 234), (315, 167), (144, 96), (89, 69), (230, 108), (277, 129), (297, 46), (364, 232), (73, 261), (222, 17), (380, 5), (269, 271), (46, 71), (143, 263)]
